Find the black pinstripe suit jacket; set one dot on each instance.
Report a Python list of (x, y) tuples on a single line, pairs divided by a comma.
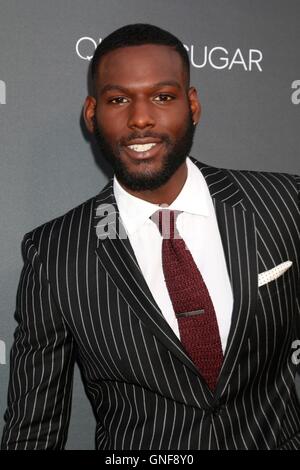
[(85, 297)]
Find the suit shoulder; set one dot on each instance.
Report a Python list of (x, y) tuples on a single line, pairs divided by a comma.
[(253, 180), (266, 181), (77, 217)]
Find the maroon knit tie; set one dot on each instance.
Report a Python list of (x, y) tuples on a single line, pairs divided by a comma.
[(191, 301)]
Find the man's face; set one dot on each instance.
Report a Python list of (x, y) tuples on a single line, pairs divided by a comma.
[(142, 114)]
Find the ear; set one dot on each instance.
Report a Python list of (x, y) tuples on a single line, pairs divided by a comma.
[(195, 105), (89, 110)]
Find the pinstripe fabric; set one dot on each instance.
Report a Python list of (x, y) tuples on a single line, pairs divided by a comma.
[(85, 297)]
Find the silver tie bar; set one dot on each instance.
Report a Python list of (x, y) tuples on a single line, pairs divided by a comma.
[(193, 313)]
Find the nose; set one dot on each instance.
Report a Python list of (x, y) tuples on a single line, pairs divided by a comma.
[(140, 115)]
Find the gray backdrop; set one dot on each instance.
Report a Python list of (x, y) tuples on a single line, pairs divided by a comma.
[(245, 64)]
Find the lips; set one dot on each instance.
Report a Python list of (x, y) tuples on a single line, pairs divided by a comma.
[(143, 148)]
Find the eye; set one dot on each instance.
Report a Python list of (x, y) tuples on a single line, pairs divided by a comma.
[(163, 97), (118, 100)]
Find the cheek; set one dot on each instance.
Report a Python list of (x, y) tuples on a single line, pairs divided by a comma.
[(175, 116), (175, 125), (111, 126)]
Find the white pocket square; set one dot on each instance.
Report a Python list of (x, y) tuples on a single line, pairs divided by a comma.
[(274, 273)]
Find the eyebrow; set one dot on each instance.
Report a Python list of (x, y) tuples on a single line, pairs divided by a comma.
[(112, 87)]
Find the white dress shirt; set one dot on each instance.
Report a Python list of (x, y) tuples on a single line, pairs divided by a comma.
[(197, 225)]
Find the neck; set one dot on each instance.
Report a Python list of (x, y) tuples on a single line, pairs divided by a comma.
[(166, 193)]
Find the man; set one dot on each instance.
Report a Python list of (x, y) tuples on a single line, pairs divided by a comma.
[(184, 339)]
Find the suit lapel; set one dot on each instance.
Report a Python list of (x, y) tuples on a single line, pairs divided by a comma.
[(237, 229), (118, 259)]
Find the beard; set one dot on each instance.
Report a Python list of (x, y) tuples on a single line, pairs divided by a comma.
[(177, 151)]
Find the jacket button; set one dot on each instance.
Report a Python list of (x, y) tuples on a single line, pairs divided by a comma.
[(217, 410)]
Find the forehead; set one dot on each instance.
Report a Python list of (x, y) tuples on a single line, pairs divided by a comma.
[(140, 65)]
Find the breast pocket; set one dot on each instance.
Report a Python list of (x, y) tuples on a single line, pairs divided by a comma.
[(276, 286), (275, 313)]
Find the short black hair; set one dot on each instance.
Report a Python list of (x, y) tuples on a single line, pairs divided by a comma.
[(137, 35)]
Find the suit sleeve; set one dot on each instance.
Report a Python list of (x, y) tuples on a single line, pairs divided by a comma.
[(41, 364)]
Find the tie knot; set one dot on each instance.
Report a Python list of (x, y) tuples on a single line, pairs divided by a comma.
[(166, 222)]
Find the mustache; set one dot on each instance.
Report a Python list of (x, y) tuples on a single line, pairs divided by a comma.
[(123, 141)]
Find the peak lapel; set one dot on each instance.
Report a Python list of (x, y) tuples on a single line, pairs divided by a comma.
[(237, 228), (117, 258)]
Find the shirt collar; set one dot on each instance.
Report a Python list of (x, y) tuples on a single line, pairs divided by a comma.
[(193, 198)]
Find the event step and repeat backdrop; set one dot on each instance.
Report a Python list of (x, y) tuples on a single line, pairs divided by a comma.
[(245, 63)]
